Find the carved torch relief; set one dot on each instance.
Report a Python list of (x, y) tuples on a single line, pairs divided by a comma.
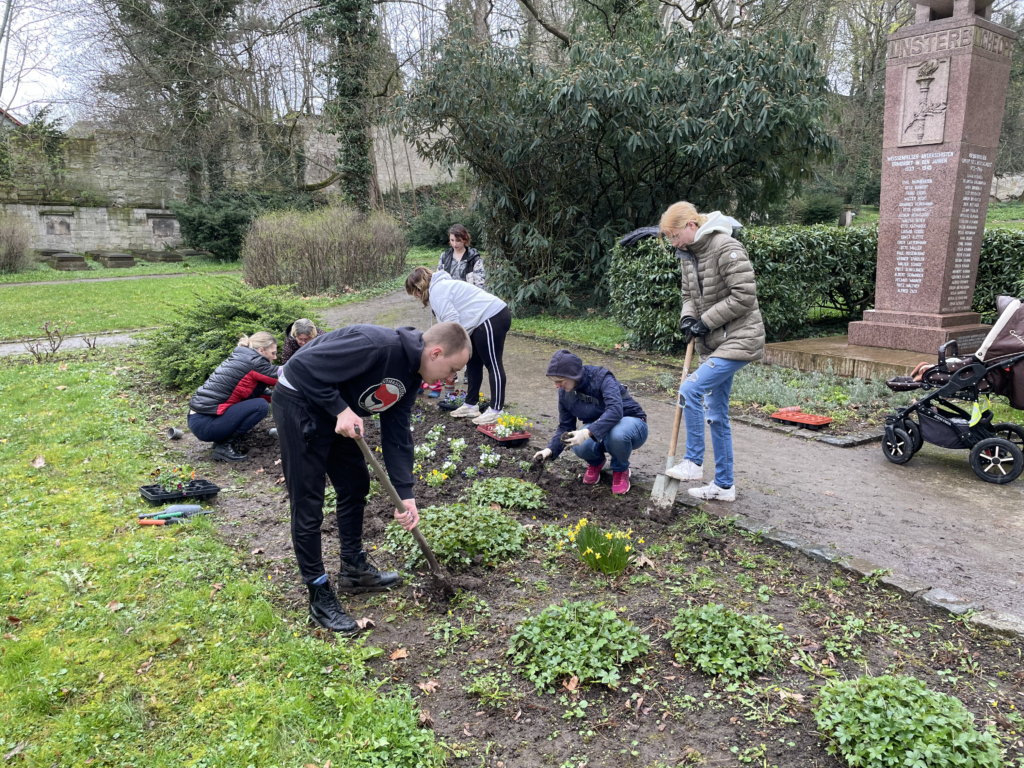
[(925, 89)]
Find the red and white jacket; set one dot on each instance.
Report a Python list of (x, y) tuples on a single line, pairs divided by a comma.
[(244, 375)]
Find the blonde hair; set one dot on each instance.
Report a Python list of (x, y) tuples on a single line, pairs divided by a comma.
[(679, 215), (303, 327), (418, 281), (259, 340)]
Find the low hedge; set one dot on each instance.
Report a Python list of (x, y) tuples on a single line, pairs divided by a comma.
[(798, 269)]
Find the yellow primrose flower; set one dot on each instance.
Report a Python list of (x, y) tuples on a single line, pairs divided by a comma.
[(597, 555)]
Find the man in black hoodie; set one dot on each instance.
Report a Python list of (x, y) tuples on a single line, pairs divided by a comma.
[(325, 390)]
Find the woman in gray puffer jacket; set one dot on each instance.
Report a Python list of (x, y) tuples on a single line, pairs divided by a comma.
[(720, 312)]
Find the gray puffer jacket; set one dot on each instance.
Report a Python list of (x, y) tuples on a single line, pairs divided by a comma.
[(719, 288)]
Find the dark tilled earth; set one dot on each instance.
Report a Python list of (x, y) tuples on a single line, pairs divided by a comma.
[(663, 714)]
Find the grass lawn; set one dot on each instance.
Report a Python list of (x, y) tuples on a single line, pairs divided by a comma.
[(96, 307), (601, 332), (423, 256), (154, 646), (41, 272), (1005, 215)]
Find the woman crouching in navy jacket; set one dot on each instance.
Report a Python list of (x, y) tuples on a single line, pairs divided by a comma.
[(613, 422), (233, 401)]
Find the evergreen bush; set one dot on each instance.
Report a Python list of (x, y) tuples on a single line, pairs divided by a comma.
[(430, 228), (219, 225), (820, 208), (333, 248), (797, 269), (889, 721), (201, 335)]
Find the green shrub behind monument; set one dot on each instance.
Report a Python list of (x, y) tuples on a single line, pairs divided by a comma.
[(201, 334)]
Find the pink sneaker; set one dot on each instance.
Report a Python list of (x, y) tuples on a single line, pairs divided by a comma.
[(593, 474), (620, 482)]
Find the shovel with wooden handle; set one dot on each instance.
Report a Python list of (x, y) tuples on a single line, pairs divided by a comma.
[(665, 488), (441, 581)]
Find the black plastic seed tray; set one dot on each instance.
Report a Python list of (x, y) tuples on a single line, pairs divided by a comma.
[(193, 489)]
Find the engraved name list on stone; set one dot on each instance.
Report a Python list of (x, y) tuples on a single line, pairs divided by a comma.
[(974, 170), (913, 212)]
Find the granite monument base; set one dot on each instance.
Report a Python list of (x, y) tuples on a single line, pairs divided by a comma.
[(918, 332), (67, 262)]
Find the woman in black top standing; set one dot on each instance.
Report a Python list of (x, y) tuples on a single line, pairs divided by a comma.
[(460, 261)]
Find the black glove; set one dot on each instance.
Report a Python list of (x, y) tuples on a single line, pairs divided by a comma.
[(639, 234), (687, 323), (697, 331)]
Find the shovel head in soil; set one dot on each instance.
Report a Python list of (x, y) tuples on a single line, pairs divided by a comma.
[(665, 488), (440, 581)]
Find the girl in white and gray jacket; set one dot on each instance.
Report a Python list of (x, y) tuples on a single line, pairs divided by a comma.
[(487, 320)]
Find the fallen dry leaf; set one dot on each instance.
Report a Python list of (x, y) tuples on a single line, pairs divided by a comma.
[(642, 560), (277, 462), (828, 493), (430, 686), (63, 366), (496, 507), (113, 606), (425, 719), (9, 636), (797, 697), (465, 730), (365, 623), (145, 667), (62, 388), (279, 481), (401, 653), (259, 471), (38, 462), (571, 684), (258, 551), (100, 678), (13, 620)]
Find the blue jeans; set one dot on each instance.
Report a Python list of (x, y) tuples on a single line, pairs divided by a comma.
[(238, 419), (705, 395), (628, 434)]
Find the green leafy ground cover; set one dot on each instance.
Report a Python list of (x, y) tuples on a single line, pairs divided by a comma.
[(154, 646), (164, 647), (592, 331), (42, 272)]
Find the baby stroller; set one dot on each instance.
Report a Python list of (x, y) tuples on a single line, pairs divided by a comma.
[(997, 368)]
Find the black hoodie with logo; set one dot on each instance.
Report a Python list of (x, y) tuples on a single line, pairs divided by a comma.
[(371, 370)]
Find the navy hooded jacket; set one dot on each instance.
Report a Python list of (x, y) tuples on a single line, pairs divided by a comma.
[(598, 400)]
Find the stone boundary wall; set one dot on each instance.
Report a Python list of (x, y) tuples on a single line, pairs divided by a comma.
[(78, 229)]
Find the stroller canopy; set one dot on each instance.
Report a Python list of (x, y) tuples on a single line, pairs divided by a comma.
[(1007, 335)]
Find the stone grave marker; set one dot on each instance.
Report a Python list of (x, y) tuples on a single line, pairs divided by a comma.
[(945, 89)]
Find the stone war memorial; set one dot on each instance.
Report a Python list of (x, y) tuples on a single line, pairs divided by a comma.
[(945, 90)]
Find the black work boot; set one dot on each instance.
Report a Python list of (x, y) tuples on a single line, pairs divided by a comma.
[(325, 611), (226, 452), (360, 575)]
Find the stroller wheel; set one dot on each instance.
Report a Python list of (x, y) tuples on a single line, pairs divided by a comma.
[(997, 460), (1012, 432), (900, 449), (914, 430)]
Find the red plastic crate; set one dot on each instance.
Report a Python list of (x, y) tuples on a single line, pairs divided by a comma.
[(514, 440), (794, 415)]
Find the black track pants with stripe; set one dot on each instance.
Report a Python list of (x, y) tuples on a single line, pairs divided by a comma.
[(488, 346)]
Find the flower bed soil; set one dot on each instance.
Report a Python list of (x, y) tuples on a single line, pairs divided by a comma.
[(664, 714)]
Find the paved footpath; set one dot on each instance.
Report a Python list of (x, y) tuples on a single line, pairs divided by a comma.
[(931, 519)]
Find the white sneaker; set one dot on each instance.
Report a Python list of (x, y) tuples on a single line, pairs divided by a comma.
[(712, 491), (686, 471), (490, 416), (464, 411)]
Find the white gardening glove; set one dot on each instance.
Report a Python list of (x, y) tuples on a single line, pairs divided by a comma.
[(577, 438), (542, 455)]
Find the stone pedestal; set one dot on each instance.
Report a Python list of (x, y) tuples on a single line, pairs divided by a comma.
[(945, 90)]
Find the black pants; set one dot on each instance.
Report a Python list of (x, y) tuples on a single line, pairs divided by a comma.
[(310, 449), (488, 346), (239, 419)]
